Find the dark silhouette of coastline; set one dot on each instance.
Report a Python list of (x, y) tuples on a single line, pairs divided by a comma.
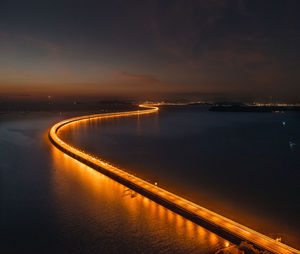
[(244, 108), (44, 106)]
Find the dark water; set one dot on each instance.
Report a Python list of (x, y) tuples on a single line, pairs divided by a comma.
[(240, 165), (50, 203)]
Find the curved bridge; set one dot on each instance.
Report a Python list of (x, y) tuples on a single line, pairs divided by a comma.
[(225, 227)]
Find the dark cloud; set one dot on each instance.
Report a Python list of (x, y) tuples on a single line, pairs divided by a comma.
[(137, 77)]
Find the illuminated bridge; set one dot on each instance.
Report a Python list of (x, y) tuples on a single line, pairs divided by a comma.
[(225, 227)]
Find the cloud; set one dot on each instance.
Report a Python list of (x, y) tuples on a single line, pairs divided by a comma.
[(50, 46), (180, 29), (146, 78), (54, 51)]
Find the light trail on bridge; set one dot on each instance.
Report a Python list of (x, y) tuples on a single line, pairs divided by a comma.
[(178, 204)]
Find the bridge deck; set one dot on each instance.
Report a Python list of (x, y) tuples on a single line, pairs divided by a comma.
[(224, 226)]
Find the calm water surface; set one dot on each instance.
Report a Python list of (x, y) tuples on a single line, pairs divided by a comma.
[(240, 165), (50, 203)]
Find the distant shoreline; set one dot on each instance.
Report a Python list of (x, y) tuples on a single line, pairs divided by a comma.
[(6, 107), (117, 105), (238, 108)]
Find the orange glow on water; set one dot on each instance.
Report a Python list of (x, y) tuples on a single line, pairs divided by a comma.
[(136, 210), (201, 212)]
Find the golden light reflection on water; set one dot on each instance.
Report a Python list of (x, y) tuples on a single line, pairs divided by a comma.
[(88, 124), (239, 229), (98, 195)]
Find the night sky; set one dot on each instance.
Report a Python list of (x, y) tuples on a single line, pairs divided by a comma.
[(235, 49)]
